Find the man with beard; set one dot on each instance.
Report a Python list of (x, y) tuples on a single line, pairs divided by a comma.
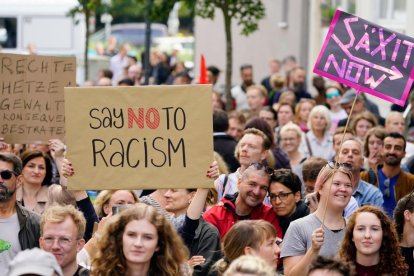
[(393, 182), (297, 83), (19, 228), (253, 186)]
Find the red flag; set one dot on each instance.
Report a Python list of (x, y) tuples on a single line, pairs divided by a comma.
[(203, 71)]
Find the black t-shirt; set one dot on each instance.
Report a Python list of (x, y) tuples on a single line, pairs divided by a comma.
[(408, 253)]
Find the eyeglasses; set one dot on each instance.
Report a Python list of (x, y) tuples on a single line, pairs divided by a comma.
[(282, 196), (333, 94), (260, 166), (62, 241), (6, 175), (387, 187), (336, 165)]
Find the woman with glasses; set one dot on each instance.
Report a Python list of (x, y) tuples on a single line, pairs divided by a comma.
[(404, 223), (249, 237), (139, 239), (370, 244), (290, 139), (37, 175), (285, 197), (308, 237)]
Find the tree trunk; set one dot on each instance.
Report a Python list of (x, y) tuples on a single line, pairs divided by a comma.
[(229, 58), (85, 55)]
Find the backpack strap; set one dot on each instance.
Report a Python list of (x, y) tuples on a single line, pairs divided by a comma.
[(309, 146)]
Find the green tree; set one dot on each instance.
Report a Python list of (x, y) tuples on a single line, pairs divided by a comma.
[(88, 8), (247, 14)]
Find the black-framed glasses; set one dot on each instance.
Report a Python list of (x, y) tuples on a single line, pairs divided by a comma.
[(282, 196), (6, 174), (337, 165), (260, 166), (387, 187)]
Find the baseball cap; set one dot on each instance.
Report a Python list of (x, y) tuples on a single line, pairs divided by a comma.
[(34, 261), (349, 96)]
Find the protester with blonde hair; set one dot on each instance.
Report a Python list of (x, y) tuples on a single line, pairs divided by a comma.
[(320, 232), (249, 265), (140, 239)]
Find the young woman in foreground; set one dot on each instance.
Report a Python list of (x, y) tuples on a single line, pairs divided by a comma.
[(371, 245), (140, 241)]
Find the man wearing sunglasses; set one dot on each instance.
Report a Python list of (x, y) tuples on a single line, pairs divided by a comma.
[(19, 228), (365, 193), (393, 182)]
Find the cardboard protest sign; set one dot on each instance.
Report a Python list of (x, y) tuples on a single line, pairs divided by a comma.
[(31, 96), (367, 57), (139, 137)]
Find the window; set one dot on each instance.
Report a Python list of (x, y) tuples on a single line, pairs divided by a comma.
[(8, 32)]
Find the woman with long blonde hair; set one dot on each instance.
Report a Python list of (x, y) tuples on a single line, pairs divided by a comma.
[(140, 241)]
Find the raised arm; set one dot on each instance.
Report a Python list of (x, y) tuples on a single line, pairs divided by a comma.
[(299, 265)]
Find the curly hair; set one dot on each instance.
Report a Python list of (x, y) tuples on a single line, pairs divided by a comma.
[(167, 261), (246, 233), (391, 261)]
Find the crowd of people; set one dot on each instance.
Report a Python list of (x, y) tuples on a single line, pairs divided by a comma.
[(296, 192)]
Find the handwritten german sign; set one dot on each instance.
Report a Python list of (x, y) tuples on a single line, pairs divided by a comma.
[(31, 96), (367, 57), (139, 137)]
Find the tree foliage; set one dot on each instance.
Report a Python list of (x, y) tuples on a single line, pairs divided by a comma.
[(246, 13), (88, 8)]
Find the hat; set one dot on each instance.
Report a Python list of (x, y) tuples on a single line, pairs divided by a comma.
[(349, 96), (34, 261)]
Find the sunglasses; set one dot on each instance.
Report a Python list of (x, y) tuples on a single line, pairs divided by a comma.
[(260, 166), (387, 187), (333, 94), (6, 175), (336, 165)]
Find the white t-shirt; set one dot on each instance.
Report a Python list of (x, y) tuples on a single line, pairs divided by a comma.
[(9, 241)]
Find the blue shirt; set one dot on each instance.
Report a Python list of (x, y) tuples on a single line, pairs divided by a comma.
[(368, 194), (389, 201)]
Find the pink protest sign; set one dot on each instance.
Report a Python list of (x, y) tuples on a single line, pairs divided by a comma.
[(367, 57)]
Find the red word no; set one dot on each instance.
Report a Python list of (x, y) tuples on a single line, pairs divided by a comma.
[(152, 118)]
